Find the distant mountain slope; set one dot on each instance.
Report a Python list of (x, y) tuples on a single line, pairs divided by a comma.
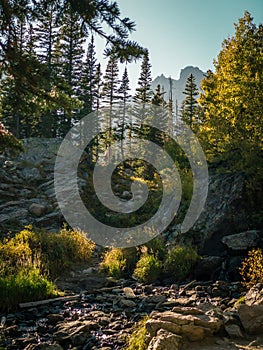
[(179, 85)]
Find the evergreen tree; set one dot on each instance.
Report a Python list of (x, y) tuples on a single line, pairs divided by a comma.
[(98, 86), (189, 105), (89, 84), (124, 97), (110, 94), (72, 40), (232, 100), (93, 14), (47, 40), (143, 94), (170, 107), (20, 106), (160, 115)]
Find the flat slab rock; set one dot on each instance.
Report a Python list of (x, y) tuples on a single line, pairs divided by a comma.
[(192, 324)]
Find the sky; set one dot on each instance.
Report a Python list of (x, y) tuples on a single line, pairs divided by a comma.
[(180, 33)]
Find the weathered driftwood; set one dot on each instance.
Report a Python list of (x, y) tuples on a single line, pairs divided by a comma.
[(48, 301), (66, 298)]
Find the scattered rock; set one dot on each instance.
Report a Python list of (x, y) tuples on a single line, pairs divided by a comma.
[(37, 209), (233, 330), (255, 295), (127, 303)]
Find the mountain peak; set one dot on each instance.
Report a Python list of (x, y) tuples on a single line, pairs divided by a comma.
[(178, 85)]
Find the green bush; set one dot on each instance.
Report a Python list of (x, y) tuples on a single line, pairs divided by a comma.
[(61, 250), (180, 261), (156, 247), (138, 340), (26, 285), (114, 263), (148, 269), (28, 257)]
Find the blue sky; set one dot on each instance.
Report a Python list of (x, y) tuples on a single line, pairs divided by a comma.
[(179, 33)]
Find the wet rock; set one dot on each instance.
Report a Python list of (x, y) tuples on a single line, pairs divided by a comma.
[(129, 293), (44, 346), (75, 331)]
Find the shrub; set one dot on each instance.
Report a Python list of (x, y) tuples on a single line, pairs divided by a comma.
[(28, 257), (26, 285), (148, 269), (52, 252), (114, 263), (252, 267), (156, 247), (138, 339), (180, 261), (61, 250)]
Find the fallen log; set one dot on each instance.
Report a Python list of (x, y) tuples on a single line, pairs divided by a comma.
[(48, 301)]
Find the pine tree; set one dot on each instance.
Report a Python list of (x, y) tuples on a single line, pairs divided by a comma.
[(170, 107), (89, 77), (124, 97), (160, 115), (21, 107), (189, 105), (72, 40), (47, 39), (110, 94), (93, 14), (143, 94)]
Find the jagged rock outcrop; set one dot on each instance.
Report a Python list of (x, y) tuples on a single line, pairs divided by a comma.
[(226, 212), (178, 85)]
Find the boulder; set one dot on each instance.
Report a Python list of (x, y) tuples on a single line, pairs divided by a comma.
[(207, 267), (242, 241), (225, 212), (251, 318), (37, 209), (165, 341), (233, 330)]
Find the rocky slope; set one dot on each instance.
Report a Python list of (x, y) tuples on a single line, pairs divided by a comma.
[(27, 196)]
